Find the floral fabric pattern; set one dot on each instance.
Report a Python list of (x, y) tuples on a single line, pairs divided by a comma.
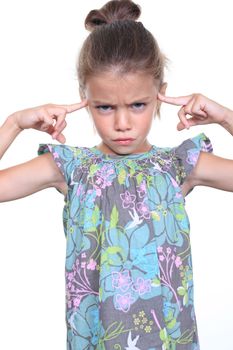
[(129, 281)]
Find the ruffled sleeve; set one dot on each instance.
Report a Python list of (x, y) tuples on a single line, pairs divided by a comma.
[(186, 155), (65, 157)]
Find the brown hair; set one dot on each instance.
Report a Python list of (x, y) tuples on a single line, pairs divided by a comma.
[(118, 42)]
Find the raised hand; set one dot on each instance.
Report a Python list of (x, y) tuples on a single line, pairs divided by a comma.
[(49, 118), (201, 109)]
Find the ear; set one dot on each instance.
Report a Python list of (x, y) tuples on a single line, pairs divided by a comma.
[(162, 90), (83, 97)]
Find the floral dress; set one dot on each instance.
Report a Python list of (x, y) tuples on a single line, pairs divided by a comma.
[(129, 279)]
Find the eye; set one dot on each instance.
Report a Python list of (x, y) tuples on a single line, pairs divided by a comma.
[(104, 108), (138, 105)]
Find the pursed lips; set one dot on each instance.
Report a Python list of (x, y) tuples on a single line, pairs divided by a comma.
[(124, 139)]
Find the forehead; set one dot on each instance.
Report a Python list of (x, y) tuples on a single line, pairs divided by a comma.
[(111, 84)]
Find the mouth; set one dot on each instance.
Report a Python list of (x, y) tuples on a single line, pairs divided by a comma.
[(124, 141)]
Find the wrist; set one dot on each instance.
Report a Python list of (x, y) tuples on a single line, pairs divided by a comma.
[(12, 124), (8, 132), (228, 121)]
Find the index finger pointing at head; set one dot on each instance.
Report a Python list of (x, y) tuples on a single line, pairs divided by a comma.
[(177, 101), (76, 106)]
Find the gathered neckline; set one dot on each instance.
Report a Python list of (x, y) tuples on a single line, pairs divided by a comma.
[(112, 157)]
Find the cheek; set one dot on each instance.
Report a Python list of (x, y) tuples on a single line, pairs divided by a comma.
[(101, 125), (147, 121)]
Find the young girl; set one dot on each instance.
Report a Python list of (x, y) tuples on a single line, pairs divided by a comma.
[(128, 266)]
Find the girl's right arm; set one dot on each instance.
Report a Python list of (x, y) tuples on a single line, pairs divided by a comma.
[(41, 172)]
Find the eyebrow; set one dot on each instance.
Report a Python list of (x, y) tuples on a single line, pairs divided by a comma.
[(146, 98)]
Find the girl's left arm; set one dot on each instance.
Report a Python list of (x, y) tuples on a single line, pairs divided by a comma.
[(210, 170)]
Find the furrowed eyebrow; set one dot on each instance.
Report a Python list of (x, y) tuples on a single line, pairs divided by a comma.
[(98, 102), (141, 99)]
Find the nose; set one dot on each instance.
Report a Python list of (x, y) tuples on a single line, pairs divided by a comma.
[(122, 120)]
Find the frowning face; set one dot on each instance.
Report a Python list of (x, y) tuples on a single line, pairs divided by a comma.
[(122, 108)]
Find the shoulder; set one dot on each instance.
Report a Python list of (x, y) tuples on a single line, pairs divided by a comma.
[(212, 171), (64, 160)]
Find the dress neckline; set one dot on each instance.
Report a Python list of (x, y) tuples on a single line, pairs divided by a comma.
[(112, 157)]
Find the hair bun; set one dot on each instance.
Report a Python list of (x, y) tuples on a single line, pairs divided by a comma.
[(114, 10)]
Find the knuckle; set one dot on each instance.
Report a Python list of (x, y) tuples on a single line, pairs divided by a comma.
[(44, 109), (48, 105), (198, 95)]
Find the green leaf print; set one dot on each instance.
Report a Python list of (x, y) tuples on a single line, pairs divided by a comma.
[(165, 339), (114, 330), (171, 324), (114, 250), (185, 299), (122, 176), (178, 211), (139, 178), (132, 167), (114, 217), (155, 282), (114, 260), (93, 169), (149, 181), (181, 291), (161, 186), (155, 215), (163, 334), (95, 216), (100, 293)]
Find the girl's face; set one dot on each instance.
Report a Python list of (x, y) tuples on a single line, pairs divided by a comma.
[(122, 108)]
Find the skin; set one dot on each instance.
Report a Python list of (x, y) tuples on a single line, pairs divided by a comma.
[(210, 170), (123, 107), (126, 107)]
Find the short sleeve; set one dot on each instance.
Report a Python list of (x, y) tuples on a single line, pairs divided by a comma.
[(186, 155), (65, 157)]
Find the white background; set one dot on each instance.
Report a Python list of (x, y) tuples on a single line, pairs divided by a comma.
[(39, 42)]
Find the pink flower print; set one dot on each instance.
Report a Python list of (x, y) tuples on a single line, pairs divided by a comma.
[(104, 177), (79, 190), (143, 210), (141, 189), (91, 265), (76, 302), (78, 285), (178, 195), (159, 249), (192, 156), (121, 280), (56, 155), (70, 276), (169, 251), (123, 302), (142, 286), (206, 146), (174, 183), (128, 200), (178, 261), (97, 191), (161, 257)]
